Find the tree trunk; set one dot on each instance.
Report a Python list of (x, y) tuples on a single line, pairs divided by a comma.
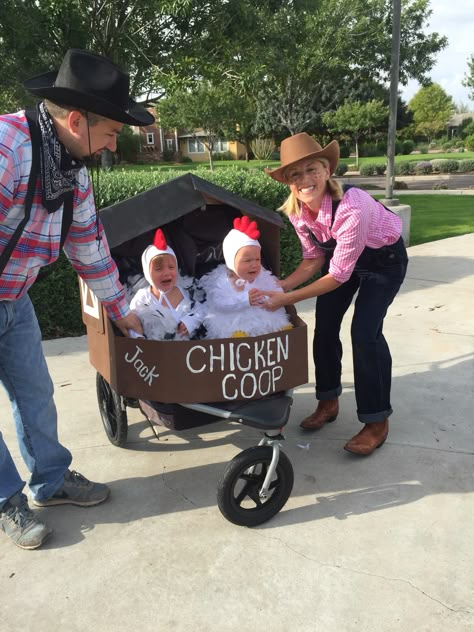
[(211, 166), (357, 151)]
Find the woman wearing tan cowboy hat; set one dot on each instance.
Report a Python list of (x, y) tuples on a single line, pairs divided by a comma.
[(355, 243)]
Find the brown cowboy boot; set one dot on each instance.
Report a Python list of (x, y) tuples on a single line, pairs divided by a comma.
[(326, 412), (371, 437)]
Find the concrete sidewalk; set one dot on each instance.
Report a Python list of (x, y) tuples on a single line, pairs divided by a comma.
[(384, 543)]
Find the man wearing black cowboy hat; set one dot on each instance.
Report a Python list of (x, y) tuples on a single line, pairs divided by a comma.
[(46, 201)]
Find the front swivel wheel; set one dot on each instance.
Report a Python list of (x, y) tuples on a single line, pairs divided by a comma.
[(238, 492)]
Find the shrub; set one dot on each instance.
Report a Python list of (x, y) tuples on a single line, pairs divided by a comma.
[(469, 142), (373, 169), (423, 149), (399, 184), (405, 168), (341, 169), (448, 145), (466, 165), (345, 151), (366, 170), (168, 155), (435, 164), (424, 167), (223, 155), (408, 146), (448, 166), (262, 148)]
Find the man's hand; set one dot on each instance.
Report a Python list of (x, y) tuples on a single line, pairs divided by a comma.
[(129, 322)]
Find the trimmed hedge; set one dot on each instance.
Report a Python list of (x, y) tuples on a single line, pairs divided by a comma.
[(372, 169), (423, 167), (405, 168)]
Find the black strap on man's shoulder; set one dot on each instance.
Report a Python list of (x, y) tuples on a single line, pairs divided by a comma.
[(6, 254), (32, 119)]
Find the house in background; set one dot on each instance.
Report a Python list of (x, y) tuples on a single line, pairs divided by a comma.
[(192, 147), (155, 141), (456, 121), (158, 144)]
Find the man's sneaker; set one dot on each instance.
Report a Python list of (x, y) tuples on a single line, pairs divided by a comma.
[(21, 525), (77, 490)]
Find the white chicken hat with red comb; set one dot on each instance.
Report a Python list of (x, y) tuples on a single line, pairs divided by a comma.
[(244, 233), (158, 247)]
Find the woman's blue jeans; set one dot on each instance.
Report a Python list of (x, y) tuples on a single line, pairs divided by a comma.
[(25, 376), (377, 280)]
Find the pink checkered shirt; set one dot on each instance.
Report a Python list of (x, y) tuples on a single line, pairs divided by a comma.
[(39, 243), (360, 221)]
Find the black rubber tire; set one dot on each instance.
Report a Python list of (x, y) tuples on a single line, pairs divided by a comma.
[(112, 412), (237, 492)]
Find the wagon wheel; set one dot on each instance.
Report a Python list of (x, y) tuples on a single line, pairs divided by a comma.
[(112, 411), (238, 490)]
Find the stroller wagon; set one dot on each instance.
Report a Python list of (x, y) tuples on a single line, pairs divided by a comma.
[(188, 383)]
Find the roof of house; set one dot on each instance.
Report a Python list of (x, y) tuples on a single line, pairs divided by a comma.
[(169, 201), (457, 119)]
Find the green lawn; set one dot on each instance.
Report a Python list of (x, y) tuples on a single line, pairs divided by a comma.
[(259, 164), (439, 216)]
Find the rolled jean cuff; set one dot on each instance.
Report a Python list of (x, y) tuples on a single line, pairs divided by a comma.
[(373, 418), (332, 394)]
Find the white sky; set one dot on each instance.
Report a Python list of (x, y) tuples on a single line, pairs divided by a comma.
[(455, 19)]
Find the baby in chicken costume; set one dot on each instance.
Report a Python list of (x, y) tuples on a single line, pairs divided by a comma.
[(232, 309), (165, 307)]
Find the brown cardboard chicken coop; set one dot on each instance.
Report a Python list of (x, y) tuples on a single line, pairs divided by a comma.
[(195, 216)]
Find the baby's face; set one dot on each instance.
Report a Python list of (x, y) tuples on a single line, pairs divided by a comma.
[(163, 272), (248, 263)]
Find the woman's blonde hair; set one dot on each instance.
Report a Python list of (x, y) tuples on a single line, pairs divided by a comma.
[(291, 206)]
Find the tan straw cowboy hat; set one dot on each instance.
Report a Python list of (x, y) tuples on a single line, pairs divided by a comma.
[(299, 147)]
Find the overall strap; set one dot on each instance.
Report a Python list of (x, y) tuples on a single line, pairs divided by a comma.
[(31, 115)]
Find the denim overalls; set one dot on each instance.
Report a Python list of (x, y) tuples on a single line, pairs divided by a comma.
[(377, 276)]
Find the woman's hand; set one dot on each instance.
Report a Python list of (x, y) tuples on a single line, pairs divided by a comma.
[(270, 300)]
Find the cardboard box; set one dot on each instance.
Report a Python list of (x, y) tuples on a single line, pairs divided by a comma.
[(196, 370)]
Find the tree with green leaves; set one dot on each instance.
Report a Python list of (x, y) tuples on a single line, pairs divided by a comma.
[(432, 108), (356, 119), (469, 78), (206, 107), (300, 58), (141, 36)]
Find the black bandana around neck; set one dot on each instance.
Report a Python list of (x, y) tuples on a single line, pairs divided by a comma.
[(57, 167)]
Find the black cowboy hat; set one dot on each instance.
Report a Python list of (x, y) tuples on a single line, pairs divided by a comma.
[(92, 83)]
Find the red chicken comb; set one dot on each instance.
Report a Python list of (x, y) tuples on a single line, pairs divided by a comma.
[(247, 227), (160, 241)]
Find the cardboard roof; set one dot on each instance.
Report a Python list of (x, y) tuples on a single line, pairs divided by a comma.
[(169, 201)]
